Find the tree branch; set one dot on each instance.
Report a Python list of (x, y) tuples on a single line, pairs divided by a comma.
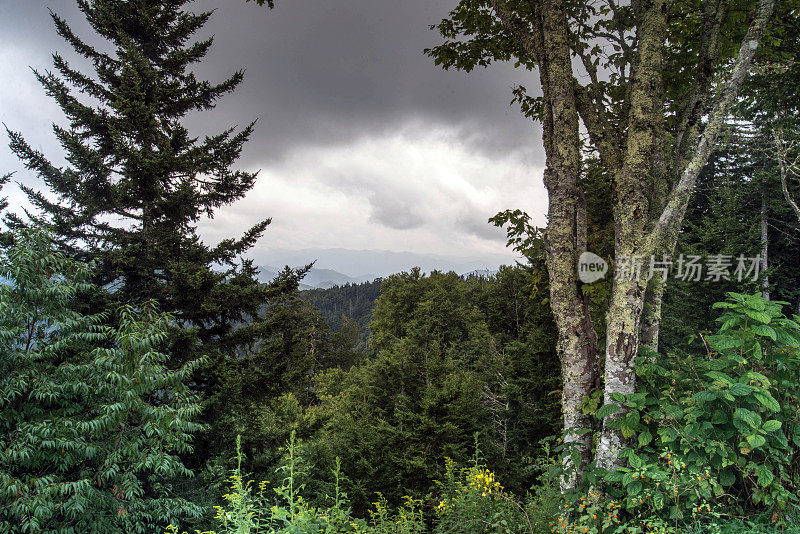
[(525, 38), (602, 132), (679, 197), (785, 167), (708, 55)]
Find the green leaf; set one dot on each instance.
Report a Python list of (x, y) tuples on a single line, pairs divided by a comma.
[(756, 302), (755, 440), (784, 338), (719, 376), (673, 410), (706, 396), (767, 401), (763, 380), (771, 426), (606, 410), (634, 488), (759, 316), (749, 417), (667, 435), (730, 323), (719, 417), (764, 474), (722, 343), (645, 438), (635, 461), (765, 331), (627, 478), (740, 390), (727, 477)]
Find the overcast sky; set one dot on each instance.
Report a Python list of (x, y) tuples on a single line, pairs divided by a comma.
[(361, 141)]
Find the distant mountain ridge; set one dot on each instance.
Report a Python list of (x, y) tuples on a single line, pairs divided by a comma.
[(360, 263), (316, 278), (328, 278), (337, 267)]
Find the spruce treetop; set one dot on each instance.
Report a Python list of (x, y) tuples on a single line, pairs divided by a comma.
[(137, 181)]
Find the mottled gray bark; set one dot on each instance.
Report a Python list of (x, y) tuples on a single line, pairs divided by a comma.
[(625, 313), (577, 345), (651, 313), (631, 216)]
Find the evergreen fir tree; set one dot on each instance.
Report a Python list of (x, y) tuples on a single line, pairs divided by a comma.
[(4, 179), (4, 200), (137, 181)]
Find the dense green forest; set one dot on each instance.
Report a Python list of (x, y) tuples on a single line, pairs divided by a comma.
[(348, 306), (152, 384)]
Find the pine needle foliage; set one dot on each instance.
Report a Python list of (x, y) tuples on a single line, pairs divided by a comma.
[(137, 182), (3, 181), (91, 421)]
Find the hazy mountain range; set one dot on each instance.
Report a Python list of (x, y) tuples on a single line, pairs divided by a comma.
[(341, 266), (315, 278)]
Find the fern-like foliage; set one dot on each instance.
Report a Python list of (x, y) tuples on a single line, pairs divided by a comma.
[(91, 420)]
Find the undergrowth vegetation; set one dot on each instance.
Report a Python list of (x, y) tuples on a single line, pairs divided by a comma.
[(714, 435), (468, 500)]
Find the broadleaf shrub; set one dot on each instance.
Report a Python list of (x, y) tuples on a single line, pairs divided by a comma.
[(715, 429), (92, 422)]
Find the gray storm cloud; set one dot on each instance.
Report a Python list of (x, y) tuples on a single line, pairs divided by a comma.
[(475, 222), (335, 86), (320, 71), (394, 213)]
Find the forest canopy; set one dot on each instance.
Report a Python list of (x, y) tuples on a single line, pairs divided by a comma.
[(152, 383)]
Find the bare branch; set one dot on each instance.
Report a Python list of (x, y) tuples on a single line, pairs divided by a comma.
[(786, 168), (679, 197)]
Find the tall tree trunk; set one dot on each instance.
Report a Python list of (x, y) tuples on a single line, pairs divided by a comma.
[(577, 342), (625, 313), (566, 231), (644, 223), (548, 45), (632, 218)]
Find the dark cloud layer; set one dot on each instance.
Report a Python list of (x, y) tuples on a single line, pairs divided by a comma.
[(394, 213), (323, 72), (362, 140)]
